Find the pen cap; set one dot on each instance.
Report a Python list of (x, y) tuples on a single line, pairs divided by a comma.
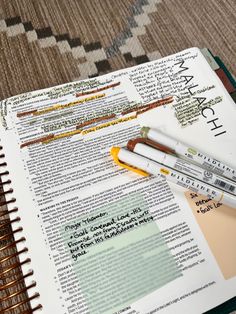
[(132, 159), (159, 137), (132, 143), (115, 154), (149, 152)]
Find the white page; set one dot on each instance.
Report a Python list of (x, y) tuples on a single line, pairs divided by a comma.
[(101, 239)]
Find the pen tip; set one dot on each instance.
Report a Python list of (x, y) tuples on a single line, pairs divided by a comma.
[(144, 131)]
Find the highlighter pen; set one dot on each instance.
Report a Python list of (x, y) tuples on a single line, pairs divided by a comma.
[(153, 144), (191, 153), (144, 166), (181, 165)]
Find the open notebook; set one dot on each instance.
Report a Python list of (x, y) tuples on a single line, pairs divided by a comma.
[(101, 239)]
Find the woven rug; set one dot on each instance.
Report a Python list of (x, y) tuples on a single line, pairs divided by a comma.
[(48, 42)]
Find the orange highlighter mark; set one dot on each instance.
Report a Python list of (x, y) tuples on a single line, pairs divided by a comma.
[(38, 140), (26, 113), (97, 89), (146, 107), (98, 119), (59, 106)]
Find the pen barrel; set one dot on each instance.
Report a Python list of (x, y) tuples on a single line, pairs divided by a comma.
[(206, 161), (159, 137), (191, 153), (202, 174), (186, 167), (176, 177), (135, 160), (191, 183)]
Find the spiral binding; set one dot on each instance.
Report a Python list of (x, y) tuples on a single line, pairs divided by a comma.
[(11, 272)]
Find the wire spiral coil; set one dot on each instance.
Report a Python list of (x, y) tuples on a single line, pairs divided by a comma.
[(14, 293)]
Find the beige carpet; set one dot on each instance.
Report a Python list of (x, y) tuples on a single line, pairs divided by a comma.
[(49, 42)]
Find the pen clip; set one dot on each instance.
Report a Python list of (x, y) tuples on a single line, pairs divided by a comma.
[(114, 153)]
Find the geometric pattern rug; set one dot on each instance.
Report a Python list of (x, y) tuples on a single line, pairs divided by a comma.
[(48, 42)]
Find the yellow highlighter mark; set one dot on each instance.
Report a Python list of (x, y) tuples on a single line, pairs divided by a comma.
[(107, 124), (62, 135), (64, 106), (52, 137), (164, 171)]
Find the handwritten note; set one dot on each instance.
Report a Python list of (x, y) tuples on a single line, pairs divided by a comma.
[(109, 248), (217, 222), (95, 228)]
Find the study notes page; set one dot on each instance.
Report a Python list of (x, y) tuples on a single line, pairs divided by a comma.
[(102, 239)]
